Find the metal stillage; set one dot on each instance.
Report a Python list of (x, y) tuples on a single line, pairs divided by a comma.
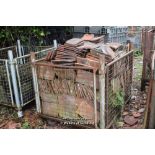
[(118, 85), (81, 95), (6, 95), (16, 83)]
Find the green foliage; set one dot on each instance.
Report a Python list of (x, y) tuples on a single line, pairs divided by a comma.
[(29, 35), (137, 53), (117, 99), (26, 125), (9, 35)]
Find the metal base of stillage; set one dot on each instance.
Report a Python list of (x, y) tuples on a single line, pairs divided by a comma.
[(61, 121)]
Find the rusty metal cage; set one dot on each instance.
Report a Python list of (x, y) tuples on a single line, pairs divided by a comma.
[(118, 80), (72, 94)]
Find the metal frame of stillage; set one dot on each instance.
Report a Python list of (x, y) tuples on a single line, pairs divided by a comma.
[(118, 68), (4, 63), (101, 80), (35, 59), (103, 85), (6, 78), (15, 64), (23, 69), (10, 85)]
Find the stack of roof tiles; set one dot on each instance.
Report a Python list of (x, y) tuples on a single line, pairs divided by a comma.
[(68, 53)]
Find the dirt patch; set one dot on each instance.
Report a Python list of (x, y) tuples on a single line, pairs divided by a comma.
[(133, 112)]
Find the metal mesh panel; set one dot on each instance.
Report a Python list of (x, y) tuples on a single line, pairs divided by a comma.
[(24, 75), (5, 84), (118, 80), (42, 52), (67, 94), (27, 49), (4, 52)]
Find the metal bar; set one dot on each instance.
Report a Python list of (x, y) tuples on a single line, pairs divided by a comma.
[(132, 69), (9, 81), (60, 66), (19, 50), (6, 48), (28, 101), (28, 55), (102, 91), (52, 48), (19, 82), (61, 120), (23, 54), (14, 83), (106, 94), (35, 83), (3, 59), (16, 51), (95, 104), (40, 60), (55, 43), (109, 64)]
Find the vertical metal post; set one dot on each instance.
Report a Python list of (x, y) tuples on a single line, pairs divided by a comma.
[(35, 83), (23, 53), (19, 50), (102, 91), (95, 104), (55, 43), (9, 81), (14, 83)]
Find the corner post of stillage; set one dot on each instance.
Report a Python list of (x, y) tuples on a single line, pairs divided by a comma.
[(95, 103), (14, 82), (55, 44), (19, 50), (35, 82), (102, 90)]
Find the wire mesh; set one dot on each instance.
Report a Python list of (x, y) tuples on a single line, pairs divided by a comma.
[(23, 72), (68, 94), (6, 96), (27, 49), (118, 85), (25, 81), (4, 52), (41, 53)]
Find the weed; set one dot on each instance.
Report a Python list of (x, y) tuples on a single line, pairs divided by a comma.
[(138, 53), (26, 125), (117, 99)]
